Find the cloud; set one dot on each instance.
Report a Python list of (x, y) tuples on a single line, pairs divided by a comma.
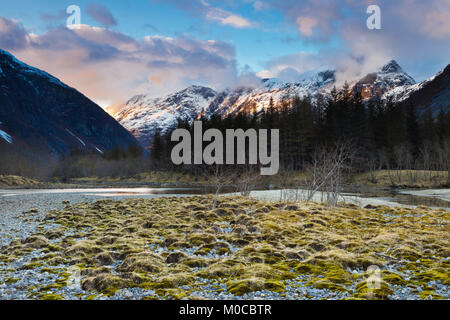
[(306, 25), (437, 23), (226, 18), (60, 16), (292, 67), (203, 9), (110, 67), (12, 34), (259, 5), (102, 15), (414, 32)]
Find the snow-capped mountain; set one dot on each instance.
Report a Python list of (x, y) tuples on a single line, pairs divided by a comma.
[(433, 93), (389, 77), (41, 117), (142, 115), (257, 99)]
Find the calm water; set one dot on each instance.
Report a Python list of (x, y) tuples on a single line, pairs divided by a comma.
[(376, 196)]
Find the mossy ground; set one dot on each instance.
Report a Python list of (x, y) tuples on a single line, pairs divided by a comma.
[(17, 181), (171, 246)]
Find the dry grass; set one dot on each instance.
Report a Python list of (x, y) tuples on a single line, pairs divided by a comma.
[(404, 179), (17, 181)]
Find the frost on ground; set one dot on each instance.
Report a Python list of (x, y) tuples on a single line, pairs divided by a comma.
[(177, 248)]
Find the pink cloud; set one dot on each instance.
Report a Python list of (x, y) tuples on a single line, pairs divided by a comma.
[(110, 67), (205, 10), (306, 25), (413, 32)]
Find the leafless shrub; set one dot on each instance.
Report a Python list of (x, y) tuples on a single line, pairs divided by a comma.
[(247, 179), (222, 176), (327, 171)]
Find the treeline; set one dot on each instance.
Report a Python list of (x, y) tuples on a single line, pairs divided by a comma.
[(116, 162), (384, 134)]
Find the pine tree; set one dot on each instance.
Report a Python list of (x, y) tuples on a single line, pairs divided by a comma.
[(413, 131)]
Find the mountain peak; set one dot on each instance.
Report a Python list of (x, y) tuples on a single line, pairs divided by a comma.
[(196, 89), (42, 119), (18, 66), (391, 67)]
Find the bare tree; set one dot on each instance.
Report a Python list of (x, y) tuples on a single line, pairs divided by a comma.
[(327, 171), (247, 179), (223, 176)]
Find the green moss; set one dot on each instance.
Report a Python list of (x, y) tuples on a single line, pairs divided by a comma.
[(275, 286), (375, 292), (31, 266), (275, 243), (241, 287), (11, 280), (327, 284), (50, 297), (49, 270), (169, 282), (196, 262), (393, 278), (428, 294), (433, 274), (105, 283)]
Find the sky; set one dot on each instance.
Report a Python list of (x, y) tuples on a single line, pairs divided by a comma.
[(126, 47)]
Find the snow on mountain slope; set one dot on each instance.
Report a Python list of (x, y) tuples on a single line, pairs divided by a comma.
[(5, 136), (386, 79), (143, 115), (433, 93), (257, 99)]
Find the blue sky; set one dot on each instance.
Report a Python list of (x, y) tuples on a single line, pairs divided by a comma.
[(269, 38), (126, 47)]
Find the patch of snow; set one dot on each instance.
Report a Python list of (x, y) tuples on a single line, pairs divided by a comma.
[(144, 115), (81, 141), (402, 93), (5, 136)]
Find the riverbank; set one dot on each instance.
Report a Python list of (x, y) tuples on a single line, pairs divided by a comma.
[(178, 248), (381, 179), (414, 179)]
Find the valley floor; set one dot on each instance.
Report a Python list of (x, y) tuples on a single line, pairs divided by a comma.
[(178, 248)]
